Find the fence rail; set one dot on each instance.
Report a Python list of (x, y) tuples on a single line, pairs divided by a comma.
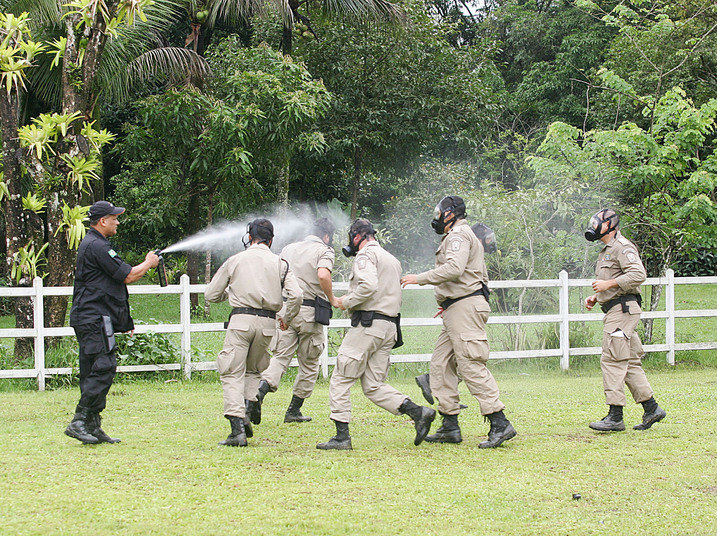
[(186, 328)]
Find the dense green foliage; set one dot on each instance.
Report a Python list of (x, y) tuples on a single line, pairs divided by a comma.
[(537, 111)]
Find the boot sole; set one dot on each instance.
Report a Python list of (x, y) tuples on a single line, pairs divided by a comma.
[(426, 392), (429, 439), (71, 434), (597, 428), (649, 423), (503, 439), (426, 426), (324, 446), (303, 418)]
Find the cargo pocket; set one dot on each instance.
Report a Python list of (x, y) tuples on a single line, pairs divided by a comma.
[(474, 346), (349, 363), (105, 363), (618, 345), (226, 361), (93, 341)]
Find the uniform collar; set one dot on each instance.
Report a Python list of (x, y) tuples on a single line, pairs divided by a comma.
[(97, 234), (260, 244), (615, 238), (454, 228), (314, 238)]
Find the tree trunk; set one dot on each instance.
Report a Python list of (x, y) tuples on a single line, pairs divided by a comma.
[(656, 295), (282, 187), (356, 183), (286, 41)]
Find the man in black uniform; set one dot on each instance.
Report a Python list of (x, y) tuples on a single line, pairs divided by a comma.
[(100, 308)]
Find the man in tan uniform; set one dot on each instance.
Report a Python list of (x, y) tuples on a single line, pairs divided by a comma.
[(374, 301), (311, 261), (252, 281), (461, 281), (619, 274)]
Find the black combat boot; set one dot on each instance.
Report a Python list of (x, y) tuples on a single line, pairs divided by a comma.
[(264, 388), (449, 432), (237, 438), (293, 413), (612, 422), (253, 410), (500, 430), (95, 427), (78, 427), (424, 382), (341, 441), (653, 413), (422, 418), (248, 430)]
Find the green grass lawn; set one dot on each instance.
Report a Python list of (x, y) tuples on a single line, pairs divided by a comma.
[(168, 476)]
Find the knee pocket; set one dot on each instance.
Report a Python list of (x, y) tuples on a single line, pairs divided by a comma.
[(618, 347), (474, 345), (105, 363), (349, 363)]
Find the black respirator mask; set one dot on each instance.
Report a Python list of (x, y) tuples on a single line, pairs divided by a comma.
[(454, 206), (259, 229), (593, 232), (351, 250), (487, 237)]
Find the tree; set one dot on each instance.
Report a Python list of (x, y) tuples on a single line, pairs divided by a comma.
[(400, 94), (664, 178), (283, 103), (65, 176)]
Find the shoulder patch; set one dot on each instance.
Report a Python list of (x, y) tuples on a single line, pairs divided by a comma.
[(455, 243), (631, 257), (361, 263), (112, 253)]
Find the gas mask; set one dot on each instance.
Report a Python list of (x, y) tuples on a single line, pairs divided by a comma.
[(487, 237), (452, 204), (601, 216), (350, 250), (360, 228), (261, 230)]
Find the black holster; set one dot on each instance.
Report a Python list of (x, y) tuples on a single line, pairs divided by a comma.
[(366, 318), (622, 300), (108, 334), (484, 290)]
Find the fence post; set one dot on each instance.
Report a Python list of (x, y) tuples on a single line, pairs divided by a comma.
[(670, 321), (39, 325), (324, 358), (563, 298), (185, 318)]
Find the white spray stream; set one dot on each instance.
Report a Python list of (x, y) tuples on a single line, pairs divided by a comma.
[(289, 226)]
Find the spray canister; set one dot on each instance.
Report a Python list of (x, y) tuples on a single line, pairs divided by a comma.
[(161, 269)]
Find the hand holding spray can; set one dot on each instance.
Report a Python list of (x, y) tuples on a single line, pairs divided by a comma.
[(161, 269)]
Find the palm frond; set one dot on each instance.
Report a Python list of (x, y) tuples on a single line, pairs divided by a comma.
[(172, 65), (41, 11), (374, 9), (236, 10)]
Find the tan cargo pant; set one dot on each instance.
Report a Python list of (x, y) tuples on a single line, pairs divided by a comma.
[(308, 338), (462, 349), (243, 358), (621, 358), (365, 354)]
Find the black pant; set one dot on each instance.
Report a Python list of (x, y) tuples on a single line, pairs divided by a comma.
[(97, 367)]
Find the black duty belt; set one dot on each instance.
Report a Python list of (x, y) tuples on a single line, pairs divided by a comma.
[(252, 311), (310, 303), (484, 290), (623, 301), (379, 316)]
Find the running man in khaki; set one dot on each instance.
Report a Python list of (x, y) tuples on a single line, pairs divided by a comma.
[(619, 275), (311, 261), (461, 280), (252, 281), (374, 301)]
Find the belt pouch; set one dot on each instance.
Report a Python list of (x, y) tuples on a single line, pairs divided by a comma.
[(322, 311)]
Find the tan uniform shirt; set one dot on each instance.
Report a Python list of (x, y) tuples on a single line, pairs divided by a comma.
[(375, 281), (305, 258), (620, 261), (252, 278), (460, 264)]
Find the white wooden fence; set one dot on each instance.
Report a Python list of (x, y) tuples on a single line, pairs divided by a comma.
[(186, 327)]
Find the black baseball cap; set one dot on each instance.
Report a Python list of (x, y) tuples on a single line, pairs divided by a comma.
[(100, 209)]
